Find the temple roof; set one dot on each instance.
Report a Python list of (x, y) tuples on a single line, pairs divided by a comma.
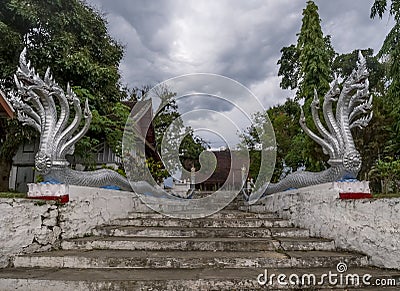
[(6, 109)]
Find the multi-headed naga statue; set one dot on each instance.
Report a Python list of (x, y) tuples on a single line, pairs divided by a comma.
[(353, 109), (43, 104)]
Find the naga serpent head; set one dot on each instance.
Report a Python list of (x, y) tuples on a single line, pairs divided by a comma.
[(352, 163), (42, 163)]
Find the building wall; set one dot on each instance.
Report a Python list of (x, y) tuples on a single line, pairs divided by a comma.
[(23, 167)]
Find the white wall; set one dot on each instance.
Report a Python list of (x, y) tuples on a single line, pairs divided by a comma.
[(32, 225), (370, 226)]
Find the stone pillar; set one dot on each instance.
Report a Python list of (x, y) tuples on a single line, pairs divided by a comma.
[(192, 177), (244, 176)]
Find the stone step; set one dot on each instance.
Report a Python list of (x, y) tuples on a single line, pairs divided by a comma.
[(198, 244), (186, 259), (133, 231), (289, 232), (305, 244), (257, 208), (217, 222), (223, 214), (187, 244), (143, 259), (65, 279)]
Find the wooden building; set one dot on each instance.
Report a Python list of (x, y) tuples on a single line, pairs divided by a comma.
[(227, 171)]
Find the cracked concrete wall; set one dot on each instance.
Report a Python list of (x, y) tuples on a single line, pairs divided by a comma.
[(370, 226), (27, 226), (91, 207)]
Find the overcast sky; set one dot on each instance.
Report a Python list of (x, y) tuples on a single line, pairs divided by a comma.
[(239, 39)]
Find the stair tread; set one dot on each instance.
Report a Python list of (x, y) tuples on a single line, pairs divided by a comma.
[(308, 239), (221, 214), (195, 254), (142, 238), (203, 222), (314, 254), (156, 254), (146, 238), (171, 274), (147, 243), (208, 219), (202, 239), (128, 227)]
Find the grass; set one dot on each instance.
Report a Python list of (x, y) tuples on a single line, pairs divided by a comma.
[(391, 195), (12, 195), (16, 195)]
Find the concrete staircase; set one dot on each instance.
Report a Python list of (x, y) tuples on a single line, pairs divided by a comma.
[(226, 251)]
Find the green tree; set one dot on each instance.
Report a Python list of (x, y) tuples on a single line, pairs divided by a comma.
[(289, 67), (315, 55), (291, 153), (390, 52), (387, 173), (171, 135), (306, 66), (289, 137), (105, 127), (344, 64), (190, 149), (72, 39), (68, 36)]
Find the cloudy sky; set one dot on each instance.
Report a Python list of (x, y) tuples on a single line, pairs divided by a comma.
[(239, 39)]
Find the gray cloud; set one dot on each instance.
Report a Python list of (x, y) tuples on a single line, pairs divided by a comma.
[(238, 39), (349, 25), (195, 102)]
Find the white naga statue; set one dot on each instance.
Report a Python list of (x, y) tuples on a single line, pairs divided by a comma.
[(353, 109), (36, 104)]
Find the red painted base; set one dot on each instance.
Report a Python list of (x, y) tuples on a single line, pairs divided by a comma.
[(355, 195), (60, 199)]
